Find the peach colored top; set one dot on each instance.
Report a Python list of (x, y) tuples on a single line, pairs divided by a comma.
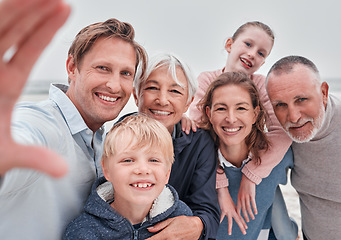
[(279, 140)]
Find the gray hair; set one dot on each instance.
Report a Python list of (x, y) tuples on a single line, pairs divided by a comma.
[(170, 60), (287, 64)]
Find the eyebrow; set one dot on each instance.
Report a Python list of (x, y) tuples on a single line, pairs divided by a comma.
[(156, 82), (238, 104)]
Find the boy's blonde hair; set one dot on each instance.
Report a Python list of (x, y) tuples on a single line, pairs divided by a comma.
[(142, 131)]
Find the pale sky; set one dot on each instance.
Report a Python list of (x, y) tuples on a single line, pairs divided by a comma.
[(196, 30)]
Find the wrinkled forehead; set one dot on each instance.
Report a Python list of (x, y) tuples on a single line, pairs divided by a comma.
[(300, 82)]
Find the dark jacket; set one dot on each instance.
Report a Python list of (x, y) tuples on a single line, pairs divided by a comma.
[(193, 175), (100, 221)]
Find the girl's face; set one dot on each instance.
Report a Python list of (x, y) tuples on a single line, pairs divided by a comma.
[(231, 115), (162, 98), (247, 53)]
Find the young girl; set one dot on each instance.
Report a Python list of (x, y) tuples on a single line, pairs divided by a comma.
[(247, 50), (237, 123)]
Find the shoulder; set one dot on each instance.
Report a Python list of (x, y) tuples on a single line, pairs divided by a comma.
[(209, 76), (180, 208), (258, 79)]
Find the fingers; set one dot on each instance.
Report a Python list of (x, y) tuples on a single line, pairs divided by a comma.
[(254, 205), (241, 223), (29, 50), (249, 209), (38, 158), (194, 126), (22, 25), (158, 227), (230, 223)]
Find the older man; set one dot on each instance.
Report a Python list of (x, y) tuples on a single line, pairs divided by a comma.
[(312, 119), (101, 66)]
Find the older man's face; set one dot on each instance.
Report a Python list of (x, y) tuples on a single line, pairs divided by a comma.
[(299, 102)]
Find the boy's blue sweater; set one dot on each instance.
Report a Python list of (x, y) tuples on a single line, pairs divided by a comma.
[(100, 221)]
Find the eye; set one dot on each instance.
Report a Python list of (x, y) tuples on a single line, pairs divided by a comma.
[(220, 109), (301, 99), (176, 91), (261, 54), (102, 68), (151, 88), (125, 73), (248, 44), (127, 160), (242, 109), (154, 160), (280, 105)]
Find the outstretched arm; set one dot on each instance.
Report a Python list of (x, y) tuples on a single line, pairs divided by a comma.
[(26, 28)]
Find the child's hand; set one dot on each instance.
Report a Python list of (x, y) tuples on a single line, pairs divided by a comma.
[(187, 124), (228, 208), (247, 194)]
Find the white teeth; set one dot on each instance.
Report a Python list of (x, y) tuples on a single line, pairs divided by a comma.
[(142, 185), (163, 113), (106, 98), (246, 62), (231, 129)]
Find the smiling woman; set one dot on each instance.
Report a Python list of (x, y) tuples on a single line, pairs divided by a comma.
[(232, 111), (165, 94)]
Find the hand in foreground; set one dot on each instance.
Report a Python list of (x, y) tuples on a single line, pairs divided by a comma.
[(26, 28), (181, 227), (247, 195), (187, 124), (229, 209)]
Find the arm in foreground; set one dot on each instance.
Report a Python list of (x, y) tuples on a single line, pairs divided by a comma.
[(26, 28)]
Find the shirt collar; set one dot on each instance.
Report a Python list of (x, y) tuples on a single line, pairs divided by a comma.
[(73, 118), (224, 163)]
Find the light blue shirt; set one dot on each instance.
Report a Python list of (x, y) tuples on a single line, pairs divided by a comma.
[(32, 204)]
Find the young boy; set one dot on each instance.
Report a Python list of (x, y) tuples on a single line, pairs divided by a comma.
[(134, 195)]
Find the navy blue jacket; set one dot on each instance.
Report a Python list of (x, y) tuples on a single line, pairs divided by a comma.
[(193, 175), (100, 221)]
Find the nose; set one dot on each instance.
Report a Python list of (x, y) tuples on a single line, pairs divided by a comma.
[(142, 168), (162, 98), (252, 53), (231, 117), (294, 114), (114, 83)]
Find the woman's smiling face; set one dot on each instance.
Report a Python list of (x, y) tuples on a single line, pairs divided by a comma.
[(162, 98), (231, 114)]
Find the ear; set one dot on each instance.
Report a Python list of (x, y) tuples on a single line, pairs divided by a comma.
[(135, 97), (208, 113), (324, 90), (105, 171), (168, 174), (228, 45), (71, 67), (188, 104), (256, 113)]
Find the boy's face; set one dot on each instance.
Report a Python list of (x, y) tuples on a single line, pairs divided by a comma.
[(137, 175)]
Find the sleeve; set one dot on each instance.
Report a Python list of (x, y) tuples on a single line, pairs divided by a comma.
[(25, 129), (204, 79), (222, 180), (203, 198), (279, 140)]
